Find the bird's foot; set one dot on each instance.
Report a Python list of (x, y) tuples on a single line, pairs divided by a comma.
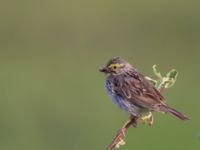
[(147, 119)]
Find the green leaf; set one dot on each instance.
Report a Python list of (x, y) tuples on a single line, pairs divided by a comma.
[(167, 81), (171, 78), (158, 74), (172, 74), (151, 80)]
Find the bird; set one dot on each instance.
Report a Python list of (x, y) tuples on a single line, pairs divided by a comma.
[(132, 92)]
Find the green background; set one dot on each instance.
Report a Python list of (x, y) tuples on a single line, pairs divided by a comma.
[(51, 94)]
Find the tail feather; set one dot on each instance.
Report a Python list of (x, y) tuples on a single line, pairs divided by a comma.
[(174, 112)]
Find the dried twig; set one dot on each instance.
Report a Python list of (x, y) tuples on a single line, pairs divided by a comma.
[(118, 140)]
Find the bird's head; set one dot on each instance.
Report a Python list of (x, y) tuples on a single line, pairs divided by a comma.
[(116, 66)]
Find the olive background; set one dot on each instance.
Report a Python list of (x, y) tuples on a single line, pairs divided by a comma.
[(51, 93)]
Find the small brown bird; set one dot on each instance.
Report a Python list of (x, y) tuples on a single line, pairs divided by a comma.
[(132, 92)]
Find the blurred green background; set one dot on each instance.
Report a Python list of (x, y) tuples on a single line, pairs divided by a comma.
[(51, 94)]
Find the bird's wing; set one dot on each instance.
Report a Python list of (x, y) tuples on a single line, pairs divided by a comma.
[(139, 91)]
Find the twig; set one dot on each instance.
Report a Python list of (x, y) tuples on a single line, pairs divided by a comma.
[(121, 132)]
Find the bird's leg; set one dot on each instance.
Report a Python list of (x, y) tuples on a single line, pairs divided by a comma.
[(117, 141), (134, 120)]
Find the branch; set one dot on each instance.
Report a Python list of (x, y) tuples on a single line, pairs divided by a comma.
[(161, 84), (118, 141)]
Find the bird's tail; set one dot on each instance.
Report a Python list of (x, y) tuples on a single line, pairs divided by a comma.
[(172, 111)]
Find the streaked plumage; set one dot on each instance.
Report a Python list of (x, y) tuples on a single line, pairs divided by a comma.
[(132, 92)]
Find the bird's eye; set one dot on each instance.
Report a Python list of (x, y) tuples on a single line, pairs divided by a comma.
[(114, 67)]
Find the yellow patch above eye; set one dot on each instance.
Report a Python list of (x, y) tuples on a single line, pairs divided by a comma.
[(115, 65)]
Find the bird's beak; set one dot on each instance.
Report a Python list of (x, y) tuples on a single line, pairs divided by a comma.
[(103, 69)]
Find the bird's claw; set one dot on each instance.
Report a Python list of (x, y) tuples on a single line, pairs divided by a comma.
[(148, 119)]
